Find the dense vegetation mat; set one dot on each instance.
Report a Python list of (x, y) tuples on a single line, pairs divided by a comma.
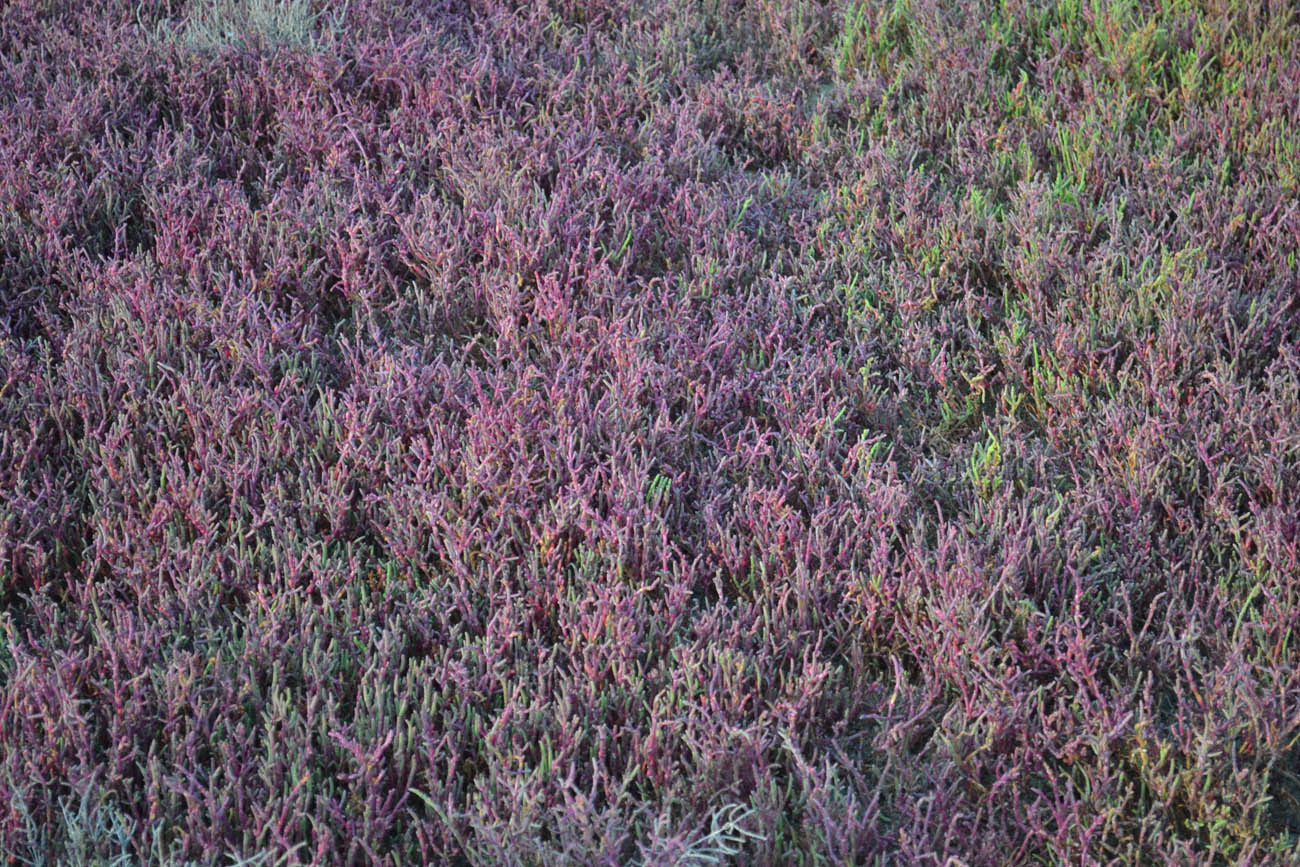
[(783, 432)]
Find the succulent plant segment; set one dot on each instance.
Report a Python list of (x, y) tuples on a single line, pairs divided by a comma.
[(784, 432)]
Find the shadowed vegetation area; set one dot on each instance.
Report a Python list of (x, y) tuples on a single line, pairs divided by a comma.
[(782, 432)]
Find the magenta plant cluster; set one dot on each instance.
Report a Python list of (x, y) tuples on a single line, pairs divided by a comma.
[(615, 432)]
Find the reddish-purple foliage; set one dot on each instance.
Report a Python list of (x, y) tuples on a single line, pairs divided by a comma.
[(495, 432)]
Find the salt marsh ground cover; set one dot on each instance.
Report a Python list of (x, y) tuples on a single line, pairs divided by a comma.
[(621, 432)]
